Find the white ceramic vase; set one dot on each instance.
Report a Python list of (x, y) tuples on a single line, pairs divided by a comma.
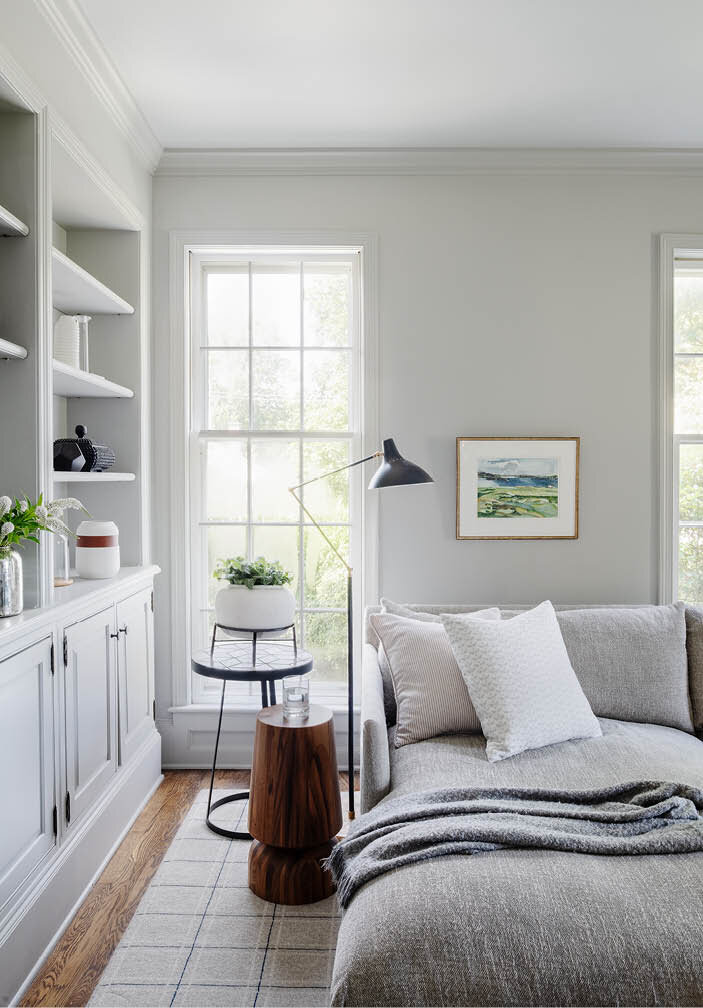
[(264, 607), (97, 549)]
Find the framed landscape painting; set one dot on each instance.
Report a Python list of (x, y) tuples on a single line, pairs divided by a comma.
[(517, 488)]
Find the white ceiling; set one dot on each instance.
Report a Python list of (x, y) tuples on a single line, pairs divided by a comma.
[(411, 73)]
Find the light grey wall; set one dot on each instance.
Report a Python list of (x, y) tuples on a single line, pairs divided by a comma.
[(508, 305)]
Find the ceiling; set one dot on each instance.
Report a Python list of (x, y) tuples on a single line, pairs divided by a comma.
[(410, 73)]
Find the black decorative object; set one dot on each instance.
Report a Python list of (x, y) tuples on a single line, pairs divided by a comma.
[(80, 454)]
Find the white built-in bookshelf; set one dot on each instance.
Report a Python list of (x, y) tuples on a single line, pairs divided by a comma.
[(70, 244)]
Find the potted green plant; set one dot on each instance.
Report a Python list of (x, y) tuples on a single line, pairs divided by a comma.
[(256, 597), (21, 521)]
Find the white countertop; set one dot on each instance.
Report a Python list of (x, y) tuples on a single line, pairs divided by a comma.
[(76, 596)]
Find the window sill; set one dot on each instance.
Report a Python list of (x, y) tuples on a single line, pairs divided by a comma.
[(248, 706)]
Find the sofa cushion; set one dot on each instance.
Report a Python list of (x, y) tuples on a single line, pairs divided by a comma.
[(632, 663), (437, 932), (430, 694), (396, 609), (520, 681), (694, 651)]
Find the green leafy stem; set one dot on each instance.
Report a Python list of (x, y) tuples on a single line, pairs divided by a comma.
[(250, 573)]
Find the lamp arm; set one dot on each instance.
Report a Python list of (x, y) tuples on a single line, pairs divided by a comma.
[(333, 472), (322, 532), (350, 635), (293, 490)]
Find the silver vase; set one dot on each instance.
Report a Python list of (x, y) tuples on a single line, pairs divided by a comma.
[(11, 599)]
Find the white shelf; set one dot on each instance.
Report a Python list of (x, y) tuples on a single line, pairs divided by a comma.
[(76, 384), (93, 477), (12, 351), (11, 226), (76, 292)]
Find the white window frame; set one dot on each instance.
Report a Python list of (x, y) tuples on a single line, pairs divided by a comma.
[(672, 248), (315, 245)]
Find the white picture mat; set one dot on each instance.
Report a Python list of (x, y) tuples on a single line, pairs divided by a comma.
[(471, 526)]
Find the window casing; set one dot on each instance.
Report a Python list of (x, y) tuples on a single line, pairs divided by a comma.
[(688, 426), (276, 379)]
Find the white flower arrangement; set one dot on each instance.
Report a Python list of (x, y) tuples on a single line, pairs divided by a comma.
[(23, 520)]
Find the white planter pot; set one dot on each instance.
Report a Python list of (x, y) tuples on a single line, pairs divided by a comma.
[(265, 607)]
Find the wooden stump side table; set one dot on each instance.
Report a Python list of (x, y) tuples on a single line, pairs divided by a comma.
[(295, 809)]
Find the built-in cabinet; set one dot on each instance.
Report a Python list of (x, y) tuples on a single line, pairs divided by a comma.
[(27, 763), (79, 751), (90, 691), (135, 678)]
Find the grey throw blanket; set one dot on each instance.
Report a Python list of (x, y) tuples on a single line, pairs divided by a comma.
[(644, 817)]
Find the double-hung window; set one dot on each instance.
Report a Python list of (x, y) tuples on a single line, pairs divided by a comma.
[(276, 379), (682, 397), (688, 425)]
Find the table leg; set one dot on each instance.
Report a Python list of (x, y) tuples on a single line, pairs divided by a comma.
[(264, 698), (239, 796), (272, 692)]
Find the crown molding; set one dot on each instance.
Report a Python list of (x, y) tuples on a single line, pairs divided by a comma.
[(78, 37), (431, 161)]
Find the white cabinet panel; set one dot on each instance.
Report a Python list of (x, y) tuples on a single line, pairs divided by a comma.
[(26, 763), (91, 749), (135, 671)]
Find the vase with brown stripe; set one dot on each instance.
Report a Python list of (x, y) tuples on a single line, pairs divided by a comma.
[(97, 549)]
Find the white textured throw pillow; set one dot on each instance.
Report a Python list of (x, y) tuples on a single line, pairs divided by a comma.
[(521, 682), (431, 695)]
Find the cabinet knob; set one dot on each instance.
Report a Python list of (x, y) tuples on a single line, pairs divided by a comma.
[(115, 635), (123, 629)]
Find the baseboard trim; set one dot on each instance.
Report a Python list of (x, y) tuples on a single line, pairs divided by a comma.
[(141, 763)]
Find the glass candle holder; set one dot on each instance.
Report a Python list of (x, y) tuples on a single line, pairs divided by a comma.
[(296, 698)]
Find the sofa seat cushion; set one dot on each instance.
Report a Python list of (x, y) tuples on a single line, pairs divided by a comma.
[(531, 927), (526, 927)]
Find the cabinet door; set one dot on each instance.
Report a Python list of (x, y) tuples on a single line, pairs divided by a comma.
[(91, 737), (26, 764), (135, 671)]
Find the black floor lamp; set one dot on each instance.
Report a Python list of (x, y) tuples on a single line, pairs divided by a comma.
[(393, 471)]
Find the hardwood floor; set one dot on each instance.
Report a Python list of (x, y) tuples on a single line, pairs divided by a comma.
[(76, 963)]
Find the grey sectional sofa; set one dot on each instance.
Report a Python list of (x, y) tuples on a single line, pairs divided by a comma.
[(527, 927)]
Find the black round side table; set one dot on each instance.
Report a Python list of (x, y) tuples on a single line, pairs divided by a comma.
[(239, 662)]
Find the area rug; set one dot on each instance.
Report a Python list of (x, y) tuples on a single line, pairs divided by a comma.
[(201, 937)]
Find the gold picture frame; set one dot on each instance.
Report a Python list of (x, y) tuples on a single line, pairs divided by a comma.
[(487, 501)]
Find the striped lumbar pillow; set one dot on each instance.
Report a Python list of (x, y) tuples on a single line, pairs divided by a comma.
[(431, 695)]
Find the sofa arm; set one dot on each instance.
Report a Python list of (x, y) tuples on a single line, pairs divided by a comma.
[(375, 757)]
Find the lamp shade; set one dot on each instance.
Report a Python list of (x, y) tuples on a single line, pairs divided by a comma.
[(397, 471)]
